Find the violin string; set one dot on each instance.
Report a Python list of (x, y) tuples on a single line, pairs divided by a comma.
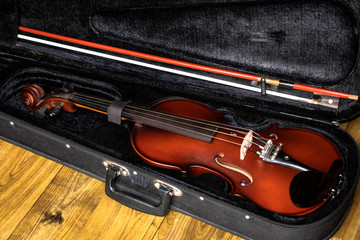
[(203, 134), (90, 101), (87, 97), (93, 104), (97, 106), (206, 135), (257, 152), (225, 126), (197, 121), (82, 99), (208, 123)]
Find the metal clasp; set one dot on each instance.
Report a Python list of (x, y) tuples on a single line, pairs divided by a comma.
[(174, 190), (123, 171), (335, 191)]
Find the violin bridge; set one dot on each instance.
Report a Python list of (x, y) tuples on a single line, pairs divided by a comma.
[(246, 144)]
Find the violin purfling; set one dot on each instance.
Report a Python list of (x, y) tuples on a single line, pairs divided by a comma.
[(286, 170)]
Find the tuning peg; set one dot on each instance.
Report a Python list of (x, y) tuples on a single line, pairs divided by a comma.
[(41, 112), (56, 110)]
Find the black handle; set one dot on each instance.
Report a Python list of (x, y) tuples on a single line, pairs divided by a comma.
[(135, 202)]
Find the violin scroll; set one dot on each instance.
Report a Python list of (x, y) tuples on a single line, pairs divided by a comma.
[(33, 97), (32, 94)]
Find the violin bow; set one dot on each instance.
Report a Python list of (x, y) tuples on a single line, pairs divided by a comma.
[(264, 80)]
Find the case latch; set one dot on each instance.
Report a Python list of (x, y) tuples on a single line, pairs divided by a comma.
[(174, 190), (135, 201), (122, 171)]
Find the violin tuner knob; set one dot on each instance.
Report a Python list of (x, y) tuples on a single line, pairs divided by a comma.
[(41, 112), (56, 110)]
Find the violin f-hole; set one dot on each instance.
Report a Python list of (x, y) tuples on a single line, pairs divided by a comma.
[(235, 169)]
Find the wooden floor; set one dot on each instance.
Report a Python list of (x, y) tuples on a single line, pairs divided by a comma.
[(40, 199)]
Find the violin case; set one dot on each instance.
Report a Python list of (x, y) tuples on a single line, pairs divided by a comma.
[(308, 42)]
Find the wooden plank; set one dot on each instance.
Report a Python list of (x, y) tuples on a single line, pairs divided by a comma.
[(179, 226), (112, 220), (353, 128), (63, 209), (23, 178)]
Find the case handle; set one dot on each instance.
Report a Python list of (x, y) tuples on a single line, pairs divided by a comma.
[(133, 201)]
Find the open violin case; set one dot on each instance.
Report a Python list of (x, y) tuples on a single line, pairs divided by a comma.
[(308, 42)]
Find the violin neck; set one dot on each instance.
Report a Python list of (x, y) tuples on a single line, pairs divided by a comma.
[(172, 123), (96, 104)]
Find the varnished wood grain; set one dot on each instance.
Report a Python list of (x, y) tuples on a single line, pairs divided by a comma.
[(63, 208), (41, 199), (24, 176), (112, 220), (178, 226)]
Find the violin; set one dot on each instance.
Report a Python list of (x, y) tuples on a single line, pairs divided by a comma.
[(290, 171)]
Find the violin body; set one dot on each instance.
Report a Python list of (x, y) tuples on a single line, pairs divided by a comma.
[(286, 170), (271, 182)]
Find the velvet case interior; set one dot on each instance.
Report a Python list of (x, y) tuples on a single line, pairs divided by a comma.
[(298, 41)]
